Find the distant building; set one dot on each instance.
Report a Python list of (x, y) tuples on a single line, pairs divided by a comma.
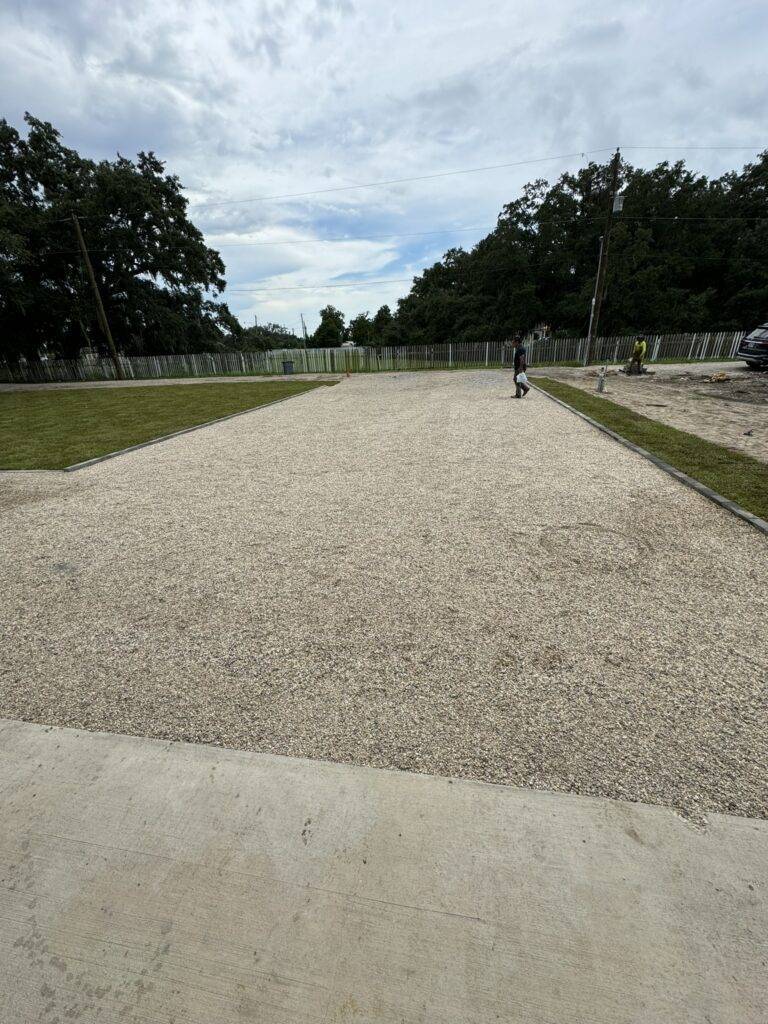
[(539, 332)]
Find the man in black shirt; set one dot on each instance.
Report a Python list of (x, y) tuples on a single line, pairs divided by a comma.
[(520, 366)]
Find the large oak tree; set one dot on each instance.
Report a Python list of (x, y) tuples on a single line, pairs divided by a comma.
[(158, 279)]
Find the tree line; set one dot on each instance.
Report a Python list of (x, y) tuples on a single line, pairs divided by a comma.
[(687, 253)]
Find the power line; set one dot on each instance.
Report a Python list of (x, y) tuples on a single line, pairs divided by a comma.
[(674, 217), (311, 287), (697, 149), (400, 181), (542, 263), (287, 241), (213, 244), (348, 238), (171, 269), (623, 258), (463, 170)]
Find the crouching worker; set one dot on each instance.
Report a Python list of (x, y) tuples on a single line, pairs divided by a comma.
[(638, 355), (520, 367)]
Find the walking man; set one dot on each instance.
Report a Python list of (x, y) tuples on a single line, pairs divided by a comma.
[(520, 366)]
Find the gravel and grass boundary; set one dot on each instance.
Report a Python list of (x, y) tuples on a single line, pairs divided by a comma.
[(56, 428), (737, 477)]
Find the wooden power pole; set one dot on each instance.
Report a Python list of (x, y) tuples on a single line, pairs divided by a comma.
[(602, 264), (101, 315)]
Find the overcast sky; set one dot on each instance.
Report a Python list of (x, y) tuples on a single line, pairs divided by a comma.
[(253, 99)]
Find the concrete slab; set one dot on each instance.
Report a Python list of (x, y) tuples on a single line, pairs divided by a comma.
[(151, 881)]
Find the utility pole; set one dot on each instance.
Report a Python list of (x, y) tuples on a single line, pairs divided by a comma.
[(602, 263), (594, 300), (101, 315)]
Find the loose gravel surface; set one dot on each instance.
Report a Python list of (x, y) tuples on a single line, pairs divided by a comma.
[(731, 412), (406, 571)]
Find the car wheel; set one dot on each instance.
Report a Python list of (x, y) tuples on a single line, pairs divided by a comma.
[(752, 365)]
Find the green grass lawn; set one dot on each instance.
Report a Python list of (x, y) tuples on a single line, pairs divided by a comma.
[(732, 474), (55, 428)]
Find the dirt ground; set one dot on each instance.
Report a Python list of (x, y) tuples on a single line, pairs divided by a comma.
[(692, 397)]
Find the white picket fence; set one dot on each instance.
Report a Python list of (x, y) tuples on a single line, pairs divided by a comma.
[(461, 355)]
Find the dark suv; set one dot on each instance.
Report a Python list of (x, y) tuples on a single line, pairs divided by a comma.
[(754, 348)]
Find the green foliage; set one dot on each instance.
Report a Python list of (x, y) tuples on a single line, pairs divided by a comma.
[(151, 263), (330, 331), (361, 329), (686, 254), (385, 330), (265, 337)]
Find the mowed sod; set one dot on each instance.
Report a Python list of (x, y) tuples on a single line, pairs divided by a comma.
[(56, 428)]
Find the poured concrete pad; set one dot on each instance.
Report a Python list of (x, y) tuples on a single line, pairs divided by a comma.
[(152, 881)]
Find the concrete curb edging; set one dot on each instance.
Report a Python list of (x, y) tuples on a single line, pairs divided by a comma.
[(167, 437), (696, 485)]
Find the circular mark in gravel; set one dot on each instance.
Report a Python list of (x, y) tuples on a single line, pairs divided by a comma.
[(598, 546)]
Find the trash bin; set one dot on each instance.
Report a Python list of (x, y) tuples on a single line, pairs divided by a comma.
[(287, 366)]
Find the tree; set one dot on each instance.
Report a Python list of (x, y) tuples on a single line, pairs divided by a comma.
[(264, 337), (361, 329), (330, 331), (686, 254), (158, 279), (382, 328)]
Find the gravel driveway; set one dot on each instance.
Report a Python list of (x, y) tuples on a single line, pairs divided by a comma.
[(731, 412), (406, 571)]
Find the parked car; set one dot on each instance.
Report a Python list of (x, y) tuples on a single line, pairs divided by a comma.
[(754, 348)]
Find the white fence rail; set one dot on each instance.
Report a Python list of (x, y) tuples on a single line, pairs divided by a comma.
[(541, 352)]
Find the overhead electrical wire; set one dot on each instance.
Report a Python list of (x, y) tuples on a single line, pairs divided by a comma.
[(463, 170), (322, 286), (284, 241), (348, 238), (398, 181), (405, 234), (423, 177), (311, 287), (695, 149)]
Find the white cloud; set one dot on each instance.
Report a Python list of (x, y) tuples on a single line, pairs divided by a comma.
[(249, 99)]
